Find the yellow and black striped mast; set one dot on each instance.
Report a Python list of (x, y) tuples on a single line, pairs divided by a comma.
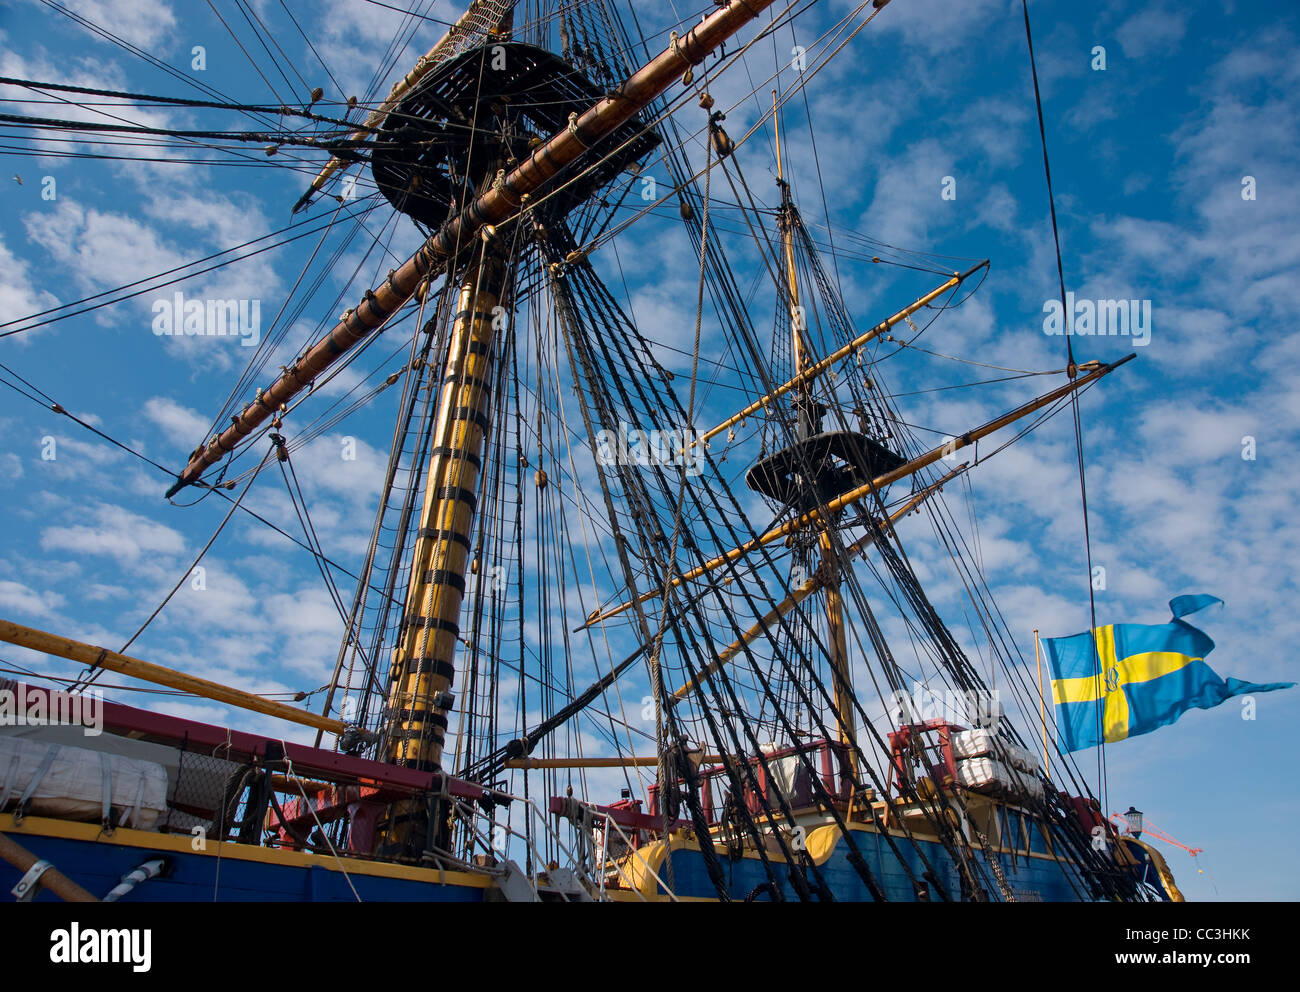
[(424, 659), (423, 664)]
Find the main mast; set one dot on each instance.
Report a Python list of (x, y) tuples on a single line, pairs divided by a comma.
[(424, 660)]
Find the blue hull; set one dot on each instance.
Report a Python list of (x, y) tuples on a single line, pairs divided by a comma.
[(238, 873), (1031, 879), (192, 876)]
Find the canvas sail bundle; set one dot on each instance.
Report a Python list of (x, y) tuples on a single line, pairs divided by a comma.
[(78, 784)]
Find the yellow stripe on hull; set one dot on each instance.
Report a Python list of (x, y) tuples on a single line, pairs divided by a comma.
[(125, 837), (820, 844)]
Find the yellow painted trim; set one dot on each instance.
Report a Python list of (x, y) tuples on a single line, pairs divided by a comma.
[(636, 870), (1162, 869), (820, 844), (627, 895), (124, 837)]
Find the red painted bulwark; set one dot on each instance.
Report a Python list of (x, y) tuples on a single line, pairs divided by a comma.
[(236, 745)]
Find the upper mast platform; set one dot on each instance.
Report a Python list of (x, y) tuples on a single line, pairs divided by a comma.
[(493, 104)]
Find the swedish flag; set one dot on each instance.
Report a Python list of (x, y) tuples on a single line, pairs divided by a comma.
[(1137, 679)]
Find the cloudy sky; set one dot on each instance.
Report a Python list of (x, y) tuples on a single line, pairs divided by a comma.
[(1173, 134)]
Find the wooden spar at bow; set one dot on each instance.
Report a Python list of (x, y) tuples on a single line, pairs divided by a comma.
[(52, 879), (87, 654), (815, 583), (493, 207), (856, 495)]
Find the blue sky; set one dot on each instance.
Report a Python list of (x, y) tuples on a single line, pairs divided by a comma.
[(1149, 157)]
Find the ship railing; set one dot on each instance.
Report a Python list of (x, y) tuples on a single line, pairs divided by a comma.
[(927, 744), (225, 784), (590, 819), (237, 787), (586, 861), (635, 854)]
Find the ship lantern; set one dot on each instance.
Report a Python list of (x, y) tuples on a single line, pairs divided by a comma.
[(1134, 818)]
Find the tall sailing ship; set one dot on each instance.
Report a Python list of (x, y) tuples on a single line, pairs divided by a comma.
[(598, 648)]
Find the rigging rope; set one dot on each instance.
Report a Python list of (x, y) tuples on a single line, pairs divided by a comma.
[(93, 673), (1072, 371)]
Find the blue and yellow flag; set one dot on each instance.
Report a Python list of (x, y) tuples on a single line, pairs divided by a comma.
[(1138, 678)]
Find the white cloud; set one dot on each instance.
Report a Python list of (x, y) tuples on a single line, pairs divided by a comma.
[(19, 295), (144, 23), (226, 220), (23, 599), (100, 250), (105, 251), (937, 25), (1152, 32), (115, 532), (907, 194), (184, 427), (11, 468)]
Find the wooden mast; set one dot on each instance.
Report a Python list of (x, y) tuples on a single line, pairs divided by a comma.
[(424, 659), (809, 423), (423, 662)]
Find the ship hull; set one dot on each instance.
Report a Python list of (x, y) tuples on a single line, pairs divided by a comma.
[(242, 873), (1036, 877), (223, 872), (903, 867)]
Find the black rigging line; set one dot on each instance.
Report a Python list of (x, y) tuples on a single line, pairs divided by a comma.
[(1078, 425), (294, 20), (149, 98), (107, 35), (724, 516), (299, 501), (93, 673), (240, 45), (1047, 169), (165, 272), (262, 30), (338, 145), (411, 13), (49, 403), (255, 366)]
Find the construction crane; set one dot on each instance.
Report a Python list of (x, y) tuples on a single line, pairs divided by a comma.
[(1149, 828)]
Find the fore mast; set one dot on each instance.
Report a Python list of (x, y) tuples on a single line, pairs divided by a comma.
[(809, 421), (817, 467)]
